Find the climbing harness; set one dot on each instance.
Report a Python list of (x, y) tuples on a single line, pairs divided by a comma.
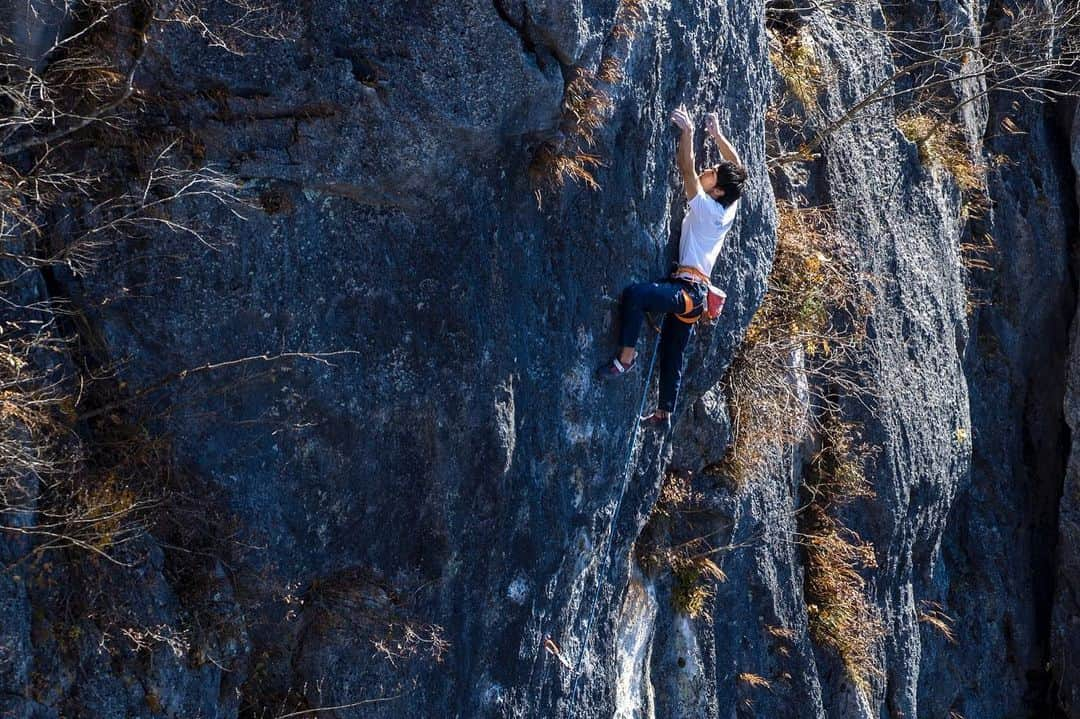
[(606, 558), (691, 313), (714, 297)]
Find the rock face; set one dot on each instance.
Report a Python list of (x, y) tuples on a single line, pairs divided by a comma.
[(446, 469), (1065, 637)]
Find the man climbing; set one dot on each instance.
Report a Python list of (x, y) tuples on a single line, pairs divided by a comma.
[(713, 200)]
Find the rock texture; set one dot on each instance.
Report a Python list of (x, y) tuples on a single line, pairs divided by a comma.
[(451, 466), (1065, 638)]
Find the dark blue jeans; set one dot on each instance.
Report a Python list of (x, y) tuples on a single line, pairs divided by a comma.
[(667, 297)]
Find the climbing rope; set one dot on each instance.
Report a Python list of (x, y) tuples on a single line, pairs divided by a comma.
[(606, 558)]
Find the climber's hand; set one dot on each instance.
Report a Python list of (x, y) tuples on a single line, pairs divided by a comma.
[(682, 119), (712, 123)]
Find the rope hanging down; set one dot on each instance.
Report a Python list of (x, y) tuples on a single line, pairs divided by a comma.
[(606, 558)]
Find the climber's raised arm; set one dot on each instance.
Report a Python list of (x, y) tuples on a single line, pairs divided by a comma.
[(727, 151), (685, 159)]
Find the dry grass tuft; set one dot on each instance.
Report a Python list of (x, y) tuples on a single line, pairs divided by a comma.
[(800, 354), (841, 617), (844, 620), (628, 18), (838, 474), (586, 108), (755, 681), (977, 253), (57, 490), (34, 412), (840, 614), (942, 144), (672, 543), (695, 585), (781, 632), (550, 170), (555, 164), (632, 11), (976, 256), (611, 71), (653, 548), (795, 60), (675, 494), (933, 615)]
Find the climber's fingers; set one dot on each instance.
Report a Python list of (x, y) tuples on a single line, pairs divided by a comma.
[(682, 118), (712, 122)]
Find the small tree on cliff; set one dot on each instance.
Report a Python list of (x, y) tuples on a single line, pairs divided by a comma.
[(1031, 51)]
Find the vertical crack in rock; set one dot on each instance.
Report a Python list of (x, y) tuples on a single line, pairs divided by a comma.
[(1053, 460), (1000, 541), (1064, 643), (521, 27)]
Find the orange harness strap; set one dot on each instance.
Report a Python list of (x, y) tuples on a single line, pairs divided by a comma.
[(691, 274), (688, 307)]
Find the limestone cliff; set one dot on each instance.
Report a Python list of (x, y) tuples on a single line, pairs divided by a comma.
[(370, 376)]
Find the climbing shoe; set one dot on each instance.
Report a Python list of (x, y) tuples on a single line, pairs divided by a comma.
[(614, 369), (657, 421)]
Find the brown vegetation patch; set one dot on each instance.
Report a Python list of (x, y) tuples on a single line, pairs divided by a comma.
[(840, 614), (802, 339), (587, 106), (796, 62), (672, 543)]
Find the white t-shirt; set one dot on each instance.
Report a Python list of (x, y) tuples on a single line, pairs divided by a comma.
[(703, 230)]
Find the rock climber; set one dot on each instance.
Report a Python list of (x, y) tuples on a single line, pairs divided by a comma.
[(713, 197)]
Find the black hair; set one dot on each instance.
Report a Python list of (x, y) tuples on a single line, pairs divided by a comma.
[(730, 178)]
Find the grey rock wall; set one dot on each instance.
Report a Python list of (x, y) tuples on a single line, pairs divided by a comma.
[(457, 465), (1065, 637), (463, 452)]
